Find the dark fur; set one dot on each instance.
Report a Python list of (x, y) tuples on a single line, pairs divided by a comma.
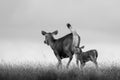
[(90, 55), (62, 47)]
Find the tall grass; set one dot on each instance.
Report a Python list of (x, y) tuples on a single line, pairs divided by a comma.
[(39, 72)]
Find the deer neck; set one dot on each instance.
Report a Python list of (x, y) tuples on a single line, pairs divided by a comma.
[(52, 42), (81, 52)]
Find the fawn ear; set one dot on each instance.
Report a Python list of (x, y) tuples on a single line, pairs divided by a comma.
[(82, 47), (55, 32), (43, 32)]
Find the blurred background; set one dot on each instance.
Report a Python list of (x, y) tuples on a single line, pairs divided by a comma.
[(21, 23)]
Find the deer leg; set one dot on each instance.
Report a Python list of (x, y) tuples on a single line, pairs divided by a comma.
[(96, 64), (94, 60), (59, 62), (77, 62), (69, 61), (82, 65)]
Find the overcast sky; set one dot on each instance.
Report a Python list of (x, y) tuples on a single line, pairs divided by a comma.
[(21, 21)]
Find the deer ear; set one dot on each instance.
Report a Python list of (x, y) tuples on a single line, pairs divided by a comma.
[(43, 32), (55, 32), (82, 47)]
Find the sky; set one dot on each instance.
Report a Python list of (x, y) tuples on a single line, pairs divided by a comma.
[(21, 23)]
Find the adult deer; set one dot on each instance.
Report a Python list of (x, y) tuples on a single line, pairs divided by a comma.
[(90, 55), (61, 47)]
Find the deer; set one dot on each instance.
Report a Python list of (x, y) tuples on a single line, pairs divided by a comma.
[(62, 47), (83, 57), (76, 40), (90, 55)]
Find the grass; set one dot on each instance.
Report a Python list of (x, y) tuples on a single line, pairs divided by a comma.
[(39, 72)]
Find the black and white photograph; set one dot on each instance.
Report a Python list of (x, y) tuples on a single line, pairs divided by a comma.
[(59, 40)]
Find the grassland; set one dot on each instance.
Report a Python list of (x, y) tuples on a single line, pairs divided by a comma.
[(39, 72)]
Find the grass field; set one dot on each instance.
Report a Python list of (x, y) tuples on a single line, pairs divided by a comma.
[(39, 72)]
